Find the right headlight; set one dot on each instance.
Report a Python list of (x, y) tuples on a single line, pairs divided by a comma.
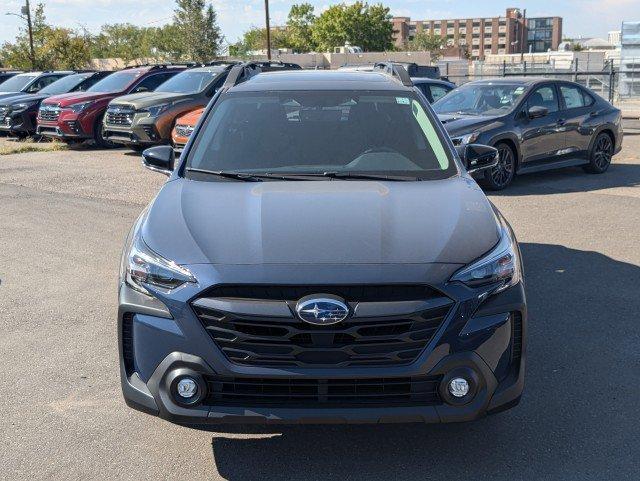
[(143, 267), (501, 267)]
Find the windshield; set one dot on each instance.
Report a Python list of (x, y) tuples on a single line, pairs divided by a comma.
[(16, 83), (116, 82), (64, 85), (187, 82), (480, 99), (323, 131)]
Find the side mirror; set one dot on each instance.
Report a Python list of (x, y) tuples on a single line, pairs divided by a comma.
[(159, 159), (537, 111), (480, 157)]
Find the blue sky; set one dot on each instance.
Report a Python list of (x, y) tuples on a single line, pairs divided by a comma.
[(580, 17)]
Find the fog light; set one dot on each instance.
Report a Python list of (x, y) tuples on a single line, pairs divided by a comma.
[(459, 387), (187, 388)]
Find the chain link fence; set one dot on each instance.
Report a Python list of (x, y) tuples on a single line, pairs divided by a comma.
[(616, 83)]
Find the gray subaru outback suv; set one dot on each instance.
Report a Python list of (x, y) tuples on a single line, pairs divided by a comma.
[(320, 254)]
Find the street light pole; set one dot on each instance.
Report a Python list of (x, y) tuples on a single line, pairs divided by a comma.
[(266, 15), (27, 11)]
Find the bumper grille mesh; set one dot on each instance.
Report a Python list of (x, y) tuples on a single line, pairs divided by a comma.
[(358, 341), (119, 116), (49, 114), (322, 392)]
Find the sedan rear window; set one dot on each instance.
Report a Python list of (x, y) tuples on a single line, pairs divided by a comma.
[(317, 132)]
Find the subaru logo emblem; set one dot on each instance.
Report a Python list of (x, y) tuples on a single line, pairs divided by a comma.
[(321, 310)]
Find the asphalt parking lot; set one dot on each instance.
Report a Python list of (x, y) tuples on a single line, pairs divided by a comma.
[(63, 218)]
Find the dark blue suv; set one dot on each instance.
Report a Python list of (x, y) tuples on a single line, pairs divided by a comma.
[(319, 254)]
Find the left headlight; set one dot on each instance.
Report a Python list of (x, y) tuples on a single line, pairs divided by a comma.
[(465, 139), (79, 107), (142, 266), (156, 109), (500, 267)]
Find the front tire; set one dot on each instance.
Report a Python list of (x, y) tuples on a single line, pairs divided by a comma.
[(600, 155), (502, 174), (98, 135)]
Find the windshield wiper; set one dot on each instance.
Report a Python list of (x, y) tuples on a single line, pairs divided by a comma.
[(355, 175), (227, 175), (248, 177)]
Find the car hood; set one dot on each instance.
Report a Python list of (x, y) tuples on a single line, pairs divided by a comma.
[(21, 97), (190, 118), (459, 124), (77, 97), (321, 222), (149, 99), (4, 95)]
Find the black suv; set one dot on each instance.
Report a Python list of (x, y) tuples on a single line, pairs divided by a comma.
[(30, 82)]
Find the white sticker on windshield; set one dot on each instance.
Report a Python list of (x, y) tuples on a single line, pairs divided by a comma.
[(403, 100)]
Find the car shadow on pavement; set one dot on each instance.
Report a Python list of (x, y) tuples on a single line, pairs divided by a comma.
[(573, 179), (577, 418)]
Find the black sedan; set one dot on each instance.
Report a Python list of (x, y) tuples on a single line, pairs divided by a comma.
[(18, 112), (536, 124)]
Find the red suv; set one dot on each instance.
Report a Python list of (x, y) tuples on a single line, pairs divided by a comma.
[(78, 115)]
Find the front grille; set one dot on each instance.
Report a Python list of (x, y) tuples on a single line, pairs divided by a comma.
[(3, 113), (311, 393), (119, 115), (184, 130), (261, 340), (49, 113)]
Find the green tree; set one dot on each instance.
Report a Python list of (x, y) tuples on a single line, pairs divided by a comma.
[(300, 24), (426, 42), (197, 26), (55, 48), (360, 24), (255, 39)]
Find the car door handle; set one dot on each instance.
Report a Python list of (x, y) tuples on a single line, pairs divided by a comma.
[(561, 122)]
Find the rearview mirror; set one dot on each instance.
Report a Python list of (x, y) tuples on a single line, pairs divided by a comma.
[(480, 157), (537, 111), (159, 159)]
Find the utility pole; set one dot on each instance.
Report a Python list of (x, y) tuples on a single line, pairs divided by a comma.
[(266, 15), (26, 10), (524, 34)]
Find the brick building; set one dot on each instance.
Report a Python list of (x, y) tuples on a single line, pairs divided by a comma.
[(480, 36)]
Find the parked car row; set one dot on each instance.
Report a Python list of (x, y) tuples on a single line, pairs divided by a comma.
[(136, 106), (536, 124)]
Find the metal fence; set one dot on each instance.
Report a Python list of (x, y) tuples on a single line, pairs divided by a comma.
[(610, 81)]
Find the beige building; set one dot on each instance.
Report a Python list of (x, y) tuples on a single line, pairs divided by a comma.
[(481, 36)]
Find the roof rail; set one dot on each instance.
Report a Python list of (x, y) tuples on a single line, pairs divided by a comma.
[(162, 65), (241, 72), (220, 62), (244, 71), (396, 71)]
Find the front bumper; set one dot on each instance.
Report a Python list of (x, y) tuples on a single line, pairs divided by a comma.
[(22, 122), (142, 131), (484, 342), (68, 126)]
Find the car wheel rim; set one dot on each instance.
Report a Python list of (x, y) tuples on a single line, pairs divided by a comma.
[(603, 152), (503, 172)]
